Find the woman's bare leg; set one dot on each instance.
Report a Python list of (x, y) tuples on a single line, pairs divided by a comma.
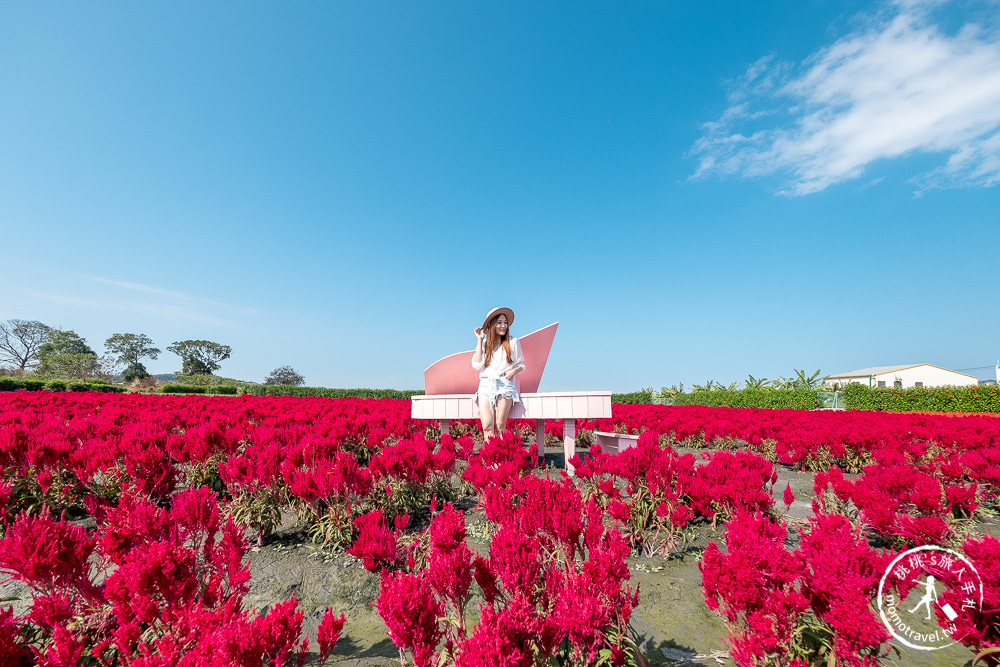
[(504, 406), (486, 417)]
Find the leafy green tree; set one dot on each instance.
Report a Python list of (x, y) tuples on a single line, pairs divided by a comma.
[(129, 350), (64, 342), (200, 357), (671, 392), (754, 383), (803, 381), (66, 355), (285, 375), (782, 383), (68, 365), (20, 341)]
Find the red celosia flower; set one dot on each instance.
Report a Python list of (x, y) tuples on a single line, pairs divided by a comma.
[(788, 497), (502, 638), (514, 559), (961, 497), (680, 516), (922, 529), (500, 461), (450, 572), (328, 633), (15, 654), (153, 578), (196, 513), (49, 611), (486, 580), (619, 511), (450, 561), (134, 521), (447, 530), (65, 650), (48, 555), (375, 544), (411, 612)]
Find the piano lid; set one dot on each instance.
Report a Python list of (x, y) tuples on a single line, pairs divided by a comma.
[(455, 375)]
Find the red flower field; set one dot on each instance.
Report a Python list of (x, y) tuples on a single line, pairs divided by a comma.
[(130, 517)]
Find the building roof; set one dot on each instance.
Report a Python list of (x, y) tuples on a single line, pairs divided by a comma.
[(879, 370)]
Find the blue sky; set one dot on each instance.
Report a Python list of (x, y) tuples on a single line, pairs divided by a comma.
[(694, 191)]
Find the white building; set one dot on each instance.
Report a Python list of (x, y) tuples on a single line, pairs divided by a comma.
[(903, 376)]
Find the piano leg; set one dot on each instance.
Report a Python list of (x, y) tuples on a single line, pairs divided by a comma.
[(540, 436), (445, 426), (569, 443)]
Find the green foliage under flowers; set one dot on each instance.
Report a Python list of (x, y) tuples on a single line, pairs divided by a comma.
[(751, 398), (289, 390), (332, 527), (54, 494), (55, 385), (206, 473), (978, 398), (258, 509)]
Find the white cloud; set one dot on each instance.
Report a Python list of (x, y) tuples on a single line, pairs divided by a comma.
[(897, 87)]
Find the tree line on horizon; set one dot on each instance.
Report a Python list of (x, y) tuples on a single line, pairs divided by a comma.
[(29, 346)]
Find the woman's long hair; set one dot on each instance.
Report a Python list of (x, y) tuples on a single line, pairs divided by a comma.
[(491, 340)]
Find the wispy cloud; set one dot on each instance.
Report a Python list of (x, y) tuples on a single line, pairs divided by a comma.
[(171, 295), (898, 86), (166, 312), (155, 302)]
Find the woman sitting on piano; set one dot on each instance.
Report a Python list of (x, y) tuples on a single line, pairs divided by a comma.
[(499, 360)]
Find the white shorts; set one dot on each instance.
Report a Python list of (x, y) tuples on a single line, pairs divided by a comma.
[(490, 389)]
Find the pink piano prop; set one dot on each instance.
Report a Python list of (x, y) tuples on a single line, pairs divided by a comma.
[(450, 383)]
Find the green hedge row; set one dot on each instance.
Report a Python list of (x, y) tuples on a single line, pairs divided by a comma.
[(802, 399), (15, 384), (172, 388), (184, 389), (288, 390), (978, 398), (642, 396)]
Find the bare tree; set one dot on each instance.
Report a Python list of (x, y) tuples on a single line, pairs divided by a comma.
[(20, 341)]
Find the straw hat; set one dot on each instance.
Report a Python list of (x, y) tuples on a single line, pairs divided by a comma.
[(498, 311)]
